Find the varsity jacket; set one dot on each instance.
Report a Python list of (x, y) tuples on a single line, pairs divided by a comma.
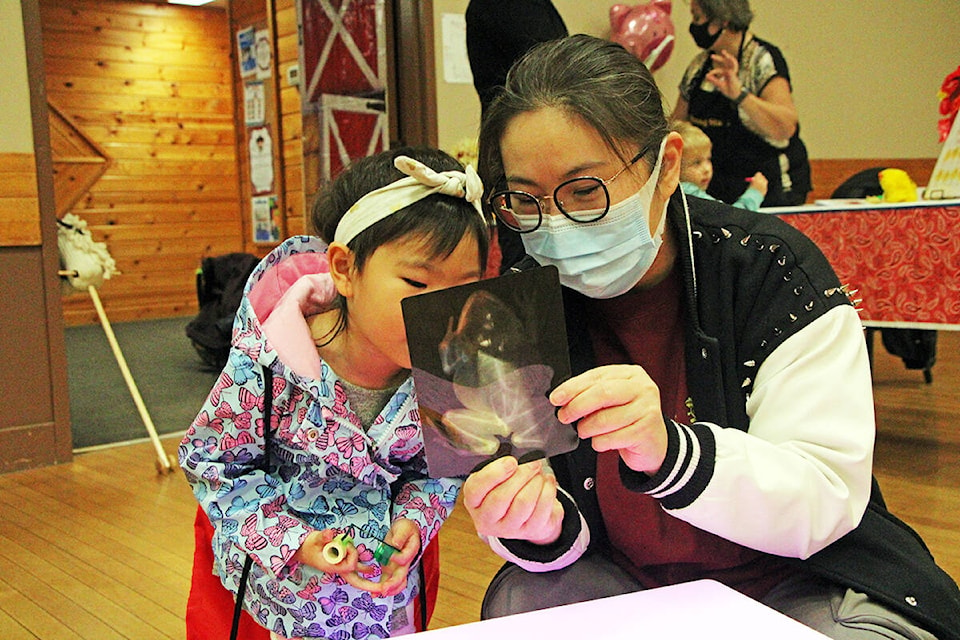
[(766, 320)]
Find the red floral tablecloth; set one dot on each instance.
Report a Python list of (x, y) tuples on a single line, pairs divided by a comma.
[(904, 260)]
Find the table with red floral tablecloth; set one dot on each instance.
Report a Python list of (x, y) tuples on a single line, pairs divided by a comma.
[(903, 260)]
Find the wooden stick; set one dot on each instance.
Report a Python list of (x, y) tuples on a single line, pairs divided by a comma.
[(163, 462)]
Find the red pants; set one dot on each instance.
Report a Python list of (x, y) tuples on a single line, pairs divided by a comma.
[(210, 606)]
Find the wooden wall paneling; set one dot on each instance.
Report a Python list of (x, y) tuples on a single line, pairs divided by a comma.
[(288, 35), (151, 86), (103, 67), (309, 137), (77, 161), (19, 203), (244, 14)]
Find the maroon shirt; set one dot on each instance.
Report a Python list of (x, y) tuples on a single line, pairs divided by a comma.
[(646, 327)]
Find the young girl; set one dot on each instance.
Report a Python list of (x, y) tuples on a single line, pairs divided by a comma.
[(339, 465), (696, 168)]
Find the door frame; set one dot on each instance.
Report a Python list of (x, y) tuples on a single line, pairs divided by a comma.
[(412, 106)]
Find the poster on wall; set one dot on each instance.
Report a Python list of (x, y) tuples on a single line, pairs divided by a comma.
[(263, 54), (261, 159), (254, 103), (246, 39), (265, 218), (456, 64)]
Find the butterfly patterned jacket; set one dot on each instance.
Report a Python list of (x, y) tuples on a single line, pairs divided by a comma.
[(323, 469)]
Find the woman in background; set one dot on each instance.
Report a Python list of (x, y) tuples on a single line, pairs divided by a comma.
[(738, 91)]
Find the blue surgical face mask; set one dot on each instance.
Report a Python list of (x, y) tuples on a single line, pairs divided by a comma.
[(606, 258)]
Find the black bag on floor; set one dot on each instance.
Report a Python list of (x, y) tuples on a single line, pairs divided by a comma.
[(220, 283), (917, 347)]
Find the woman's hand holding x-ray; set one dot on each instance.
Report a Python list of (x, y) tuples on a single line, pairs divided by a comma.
[(506, 499), (618, 407)]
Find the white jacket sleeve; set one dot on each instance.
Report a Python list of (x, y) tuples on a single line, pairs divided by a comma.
[(800, 477)]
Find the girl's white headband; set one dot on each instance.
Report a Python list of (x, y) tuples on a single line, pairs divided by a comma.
[(421, 182)]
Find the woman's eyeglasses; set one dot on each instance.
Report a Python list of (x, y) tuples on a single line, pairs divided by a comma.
[(582, 200)]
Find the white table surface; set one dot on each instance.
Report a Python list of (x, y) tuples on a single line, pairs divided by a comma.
[(700, 609)]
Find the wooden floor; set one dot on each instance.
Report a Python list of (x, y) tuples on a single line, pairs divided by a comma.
[(100, 549)]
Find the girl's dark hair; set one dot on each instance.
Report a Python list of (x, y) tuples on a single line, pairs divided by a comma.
[(441, 221), (736, 13), (594, 80)]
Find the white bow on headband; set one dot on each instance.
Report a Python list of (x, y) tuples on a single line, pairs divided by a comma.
[(421, 181)]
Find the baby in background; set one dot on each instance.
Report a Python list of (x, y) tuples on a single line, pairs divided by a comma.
[(696, 168)]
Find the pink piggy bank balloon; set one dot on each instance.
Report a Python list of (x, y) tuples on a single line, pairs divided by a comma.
[(645, 30)]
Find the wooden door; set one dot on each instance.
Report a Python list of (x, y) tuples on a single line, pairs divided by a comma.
[(343, 56)]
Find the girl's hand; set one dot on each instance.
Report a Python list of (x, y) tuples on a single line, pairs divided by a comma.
[(404, 535), (348, 567), (759, 182), (618, 406), (506, 499)]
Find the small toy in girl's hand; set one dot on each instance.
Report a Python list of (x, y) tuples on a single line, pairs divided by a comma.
[(336, 550), (645, 30), (384, 552)]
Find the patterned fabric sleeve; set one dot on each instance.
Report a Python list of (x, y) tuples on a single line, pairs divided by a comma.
[(428, 502), (222, 456)]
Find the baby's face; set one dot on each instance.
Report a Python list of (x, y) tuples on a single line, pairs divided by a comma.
[(696, 167)]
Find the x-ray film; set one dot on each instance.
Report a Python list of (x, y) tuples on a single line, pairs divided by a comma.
[(485, 357)]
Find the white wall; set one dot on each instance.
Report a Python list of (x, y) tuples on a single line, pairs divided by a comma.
[(16, 131), (865, 75)]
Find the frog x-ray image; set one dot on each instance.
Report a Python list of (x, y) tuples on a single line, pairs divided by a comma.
[(485, 357)]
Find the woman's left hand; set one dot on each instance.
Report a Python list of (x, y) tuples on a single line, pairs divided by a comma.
[(618, 406), (724, 75)]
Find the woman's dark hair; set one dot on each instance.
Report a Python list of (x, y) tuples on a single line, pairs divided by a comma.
[(594, 80), (736, 13), (441, 221)]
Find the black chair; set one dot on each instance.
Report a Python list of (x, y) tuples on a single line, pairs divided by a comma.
[(916, 347)]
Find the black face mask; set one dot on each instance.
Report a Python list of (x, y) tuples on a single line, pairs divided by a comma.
[(702, 36)]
